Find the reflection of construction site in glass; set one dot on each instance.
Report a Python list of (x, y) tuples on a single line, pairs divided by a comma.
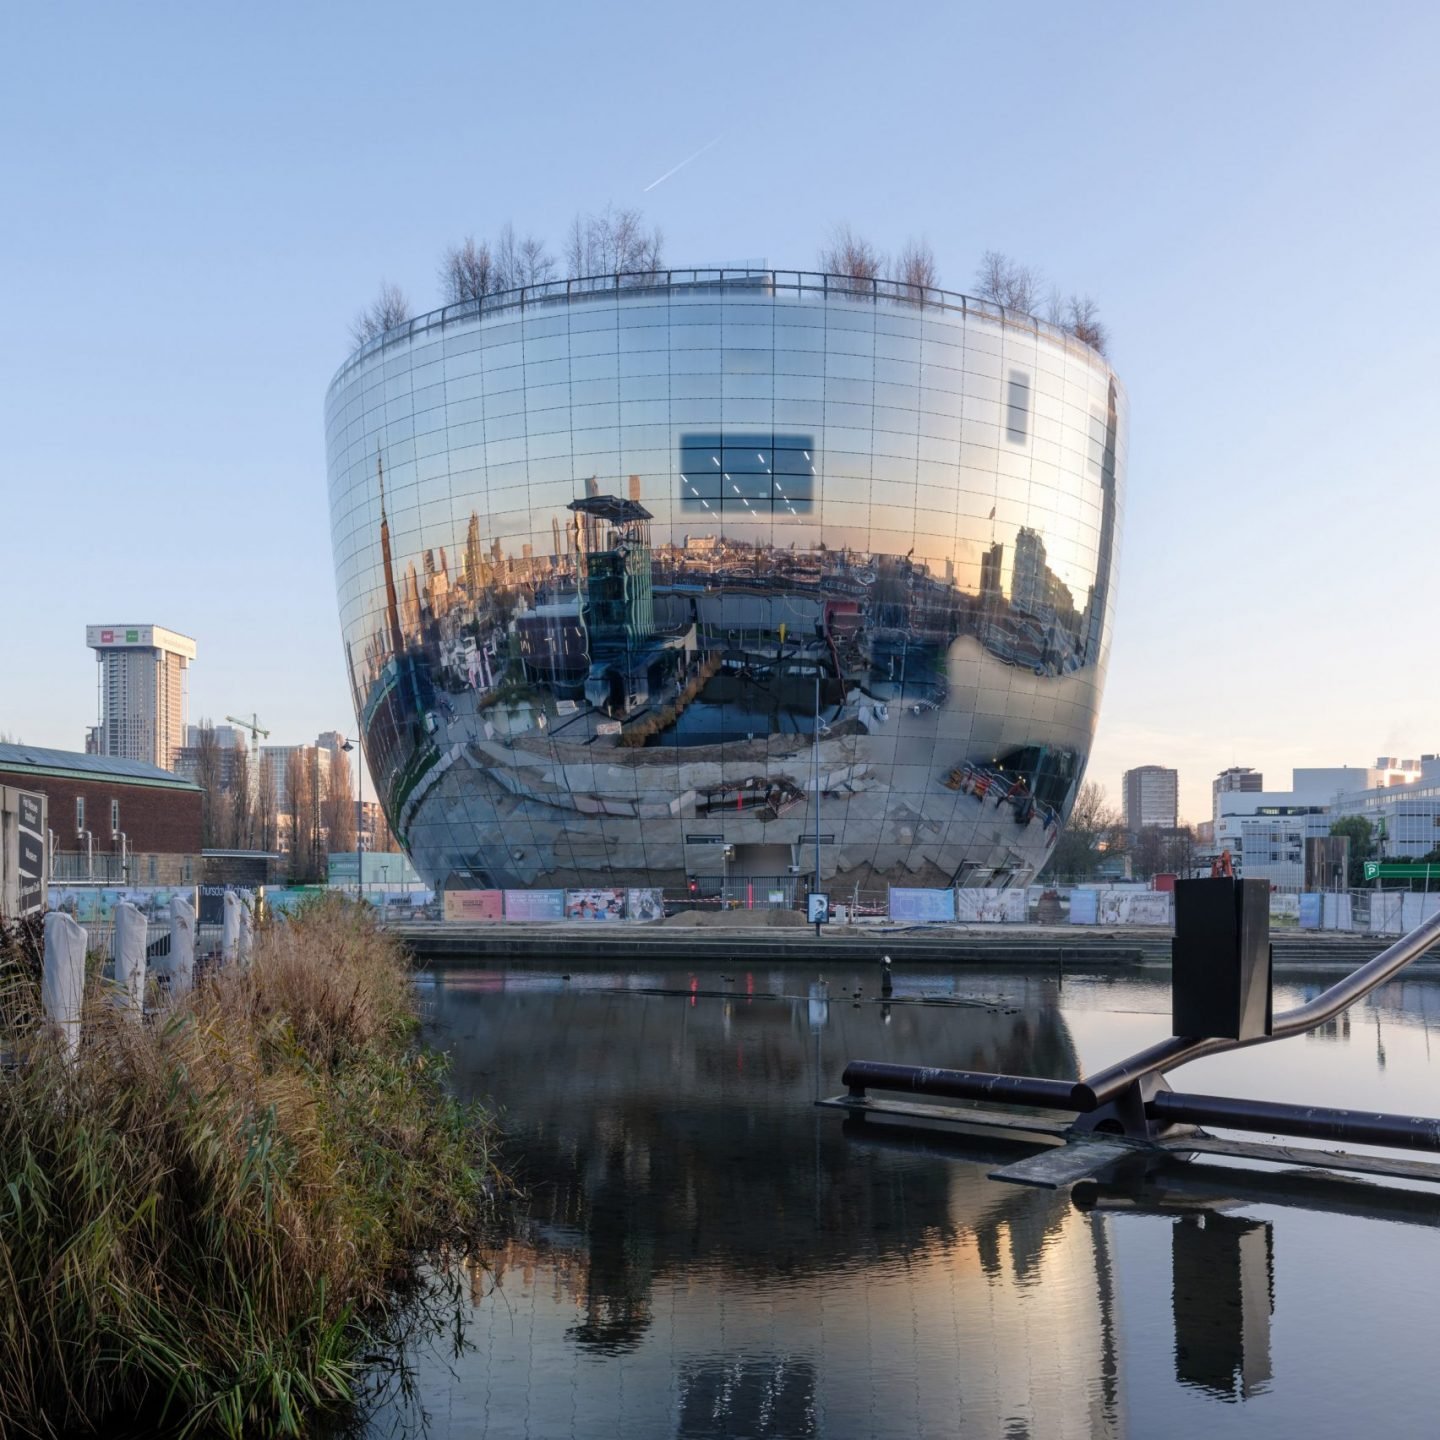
[(623, 677)]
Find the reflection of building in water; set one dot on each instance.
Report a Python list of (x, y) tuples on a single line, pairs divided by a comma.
[(917, 509), (1224, 1295), (682, 1188)]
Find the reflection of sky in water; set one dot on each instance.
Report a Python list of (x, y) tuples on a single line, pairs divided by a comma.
[(709, 1254)]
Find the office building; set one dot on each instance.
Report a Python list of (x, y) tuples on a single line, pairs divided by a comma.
[(142, 674), (642, 580), (1151, 798), (1237, 780)]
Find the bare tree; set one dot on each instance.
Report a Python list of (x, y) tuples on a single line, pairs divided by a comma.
[(339, 805), (1006, 282), (301, 791), (1093, 830), (1082, 319), (851, 255), (315, 803), (915, 267), (208, 777), (265, 819), (536, 261), (614, 242), (388, 309), (241, 827), (507, 260), (467, 272)]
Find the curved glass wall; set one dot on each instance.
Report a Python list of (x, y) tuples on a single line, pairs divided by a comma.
[(641, 581)]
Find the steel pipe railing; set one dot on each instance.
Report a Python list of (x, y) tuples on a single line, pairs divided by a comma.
[(1316, 1122), (860, 1075), (1106, 1085), (1151, 1106)]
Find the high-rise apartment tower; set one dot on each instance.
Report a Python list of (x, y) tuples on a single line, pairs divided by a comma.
[(143, 694), (1152, 797)]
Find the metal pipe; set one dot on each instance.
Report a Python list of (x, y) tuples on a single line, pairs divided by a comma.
[(861, 1075), (1105, 1085), (1315, 1122)]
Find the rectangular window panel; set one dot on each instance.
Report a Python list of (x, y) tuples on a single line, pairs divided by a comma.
[(1017, 407), (748, 473)]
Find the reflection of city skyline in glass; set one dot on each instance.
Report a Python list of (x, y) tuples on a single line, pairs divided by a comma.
[(608, 559)]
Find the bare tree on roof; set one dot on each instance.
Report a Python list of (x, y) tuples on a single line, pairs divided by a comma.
[(852, 256), (1006, 282), (536, 261), (614, 242), (467, 271), (1083, 321), (388, 309), (915, 267)]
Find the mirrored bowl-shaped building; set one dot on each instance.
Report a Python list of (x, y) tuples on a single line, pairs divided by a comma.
[(653, 579)]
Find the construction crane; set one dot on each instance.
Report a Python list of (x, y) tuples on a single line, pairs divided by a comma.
[(252, 725)]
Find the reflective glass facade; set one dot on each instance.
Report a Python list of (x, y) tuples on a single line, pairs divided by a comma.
[(609, 554)]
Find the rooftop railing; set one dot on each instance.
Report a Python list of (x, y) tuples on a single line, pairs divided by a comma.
[(811, 284)]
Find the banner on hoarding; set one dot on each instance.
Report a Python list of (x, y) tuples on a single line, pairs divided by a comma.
[(95, 904), (921, 907), (644, 904), (991, 907), (1133, 907), (534, 904), (594, 904), (1120, 907), (474, 904)]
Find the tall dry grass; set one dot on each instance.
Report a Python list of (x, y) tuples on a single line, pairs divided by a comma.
[(206, 1222)]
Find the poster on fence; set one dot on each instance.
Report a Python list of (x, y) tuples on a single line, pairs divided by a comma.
[(991, 907), (1310, 913), (1284, 909), (921, 907), (645, 904), (1084, 906), (91, 904), (594, 904), (534, 904), (1133, 907), (474, 904)]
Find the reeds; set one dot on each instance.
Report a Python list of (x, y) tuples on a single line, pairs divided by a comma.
[(634, 735), (206, 1220)]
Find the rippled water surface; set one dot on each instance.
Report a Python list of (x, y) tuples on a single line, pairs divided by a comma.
[(708, 1253)]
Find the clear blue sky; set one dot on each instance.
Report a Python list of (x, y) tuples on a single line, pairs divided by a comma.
[(194, 200)]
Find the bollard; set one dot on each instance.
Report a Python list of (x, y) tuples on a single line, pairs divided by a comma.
[(62, 986), (131, 932), (887, 982), (247, 935), (230, 934), (182, 947)]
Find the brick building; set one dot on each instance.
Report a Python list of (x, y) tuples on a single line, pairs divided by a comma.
[(113, 820)]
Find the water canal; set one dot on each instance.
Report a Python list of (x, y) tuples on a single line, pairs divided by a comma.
[(707, 1253)]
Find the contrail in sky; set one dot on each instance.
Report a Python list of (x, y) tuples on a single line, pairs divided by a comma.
[(680, 166)]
